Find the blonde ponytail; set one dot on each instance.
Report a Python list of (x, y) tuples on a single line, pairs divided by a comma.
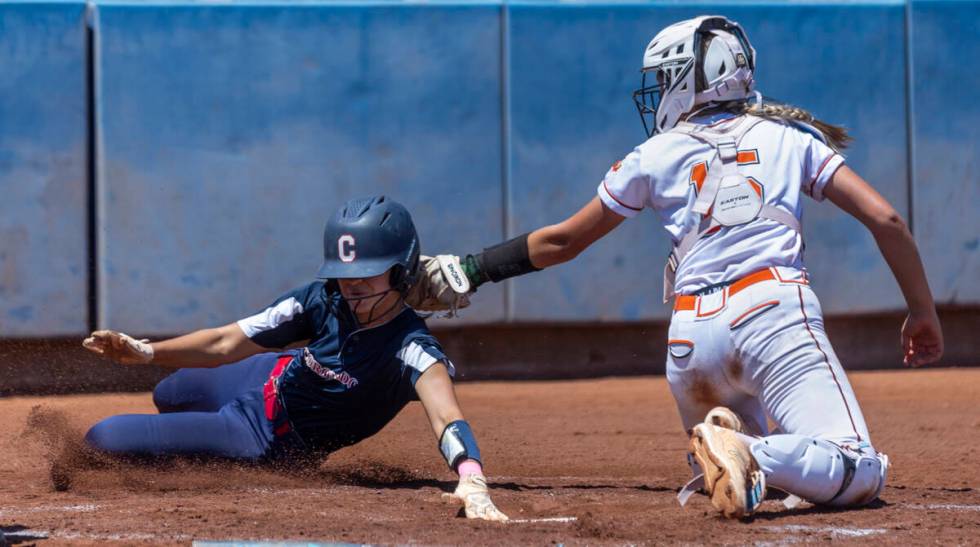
[(836, 136)]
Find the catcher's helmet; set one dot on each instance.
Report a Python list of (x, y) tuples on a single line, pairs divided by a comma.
[(698, 61), (367, 237)]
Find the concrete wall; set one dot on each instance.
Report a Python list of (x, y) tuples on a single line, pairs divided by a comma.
[(573, 68), (43, 169), (945, 45), (226, 132)]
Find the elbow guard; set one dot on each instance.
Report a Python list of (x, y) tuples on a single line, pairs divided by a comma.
[(458, 443)]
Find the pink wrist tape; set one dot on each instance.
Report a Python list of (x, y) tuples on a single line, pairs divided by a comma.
[(469, 467)]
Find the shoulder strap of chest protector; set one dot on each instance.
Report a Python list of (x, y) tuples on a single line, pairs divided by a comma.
[(725, 163)]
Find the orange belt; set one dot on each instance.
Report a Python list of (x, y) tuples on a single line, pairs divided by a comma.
[(688, 302)]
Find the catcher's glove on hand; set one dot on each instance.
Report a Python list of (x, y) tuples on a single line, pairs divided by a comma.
[(119, 347), (731, 475), (472, 492), (442, 286)]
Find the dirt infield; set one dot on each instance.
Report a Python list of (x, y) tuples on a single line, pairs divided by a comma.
[(573, 462)]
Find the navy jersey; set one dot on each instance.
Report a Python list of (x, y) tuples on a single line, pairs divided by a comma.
[(348, 382)]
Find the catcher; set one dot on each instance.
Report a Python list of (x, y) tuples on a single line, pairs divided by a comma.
[(365, 355), (725, 174)]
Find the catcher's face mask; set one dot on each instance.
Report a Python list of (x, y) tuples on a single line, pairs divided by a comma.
[(655, 84)]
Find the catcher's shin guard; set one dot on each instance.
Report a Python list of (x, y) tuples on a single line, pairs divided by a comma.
[(731, 475)]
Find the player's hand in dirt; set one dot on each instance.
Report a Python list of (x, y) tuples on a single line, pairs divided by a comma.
[(119, 347), (442, 286), (922, 339), (473, 494)]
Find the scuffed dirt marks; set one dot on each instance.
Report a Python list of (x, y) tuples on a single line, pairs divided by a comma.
[(51, 429), (597, 526), (371, 474), (592, 462), (62, 446), (69, 464)]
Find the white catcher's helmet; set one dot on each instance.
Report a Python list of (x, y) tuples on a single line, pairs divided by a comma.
[(683, 72)]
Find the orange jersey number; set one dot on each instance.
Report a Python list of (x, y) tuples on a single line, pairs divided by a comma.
[(699, 172)]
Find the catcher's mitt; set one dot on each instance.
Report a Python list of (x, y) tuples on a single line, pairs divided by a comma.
[(442, 286)]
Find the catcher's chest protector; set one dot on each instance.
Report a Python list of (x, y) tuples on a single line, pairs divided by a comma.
[(727, 197)]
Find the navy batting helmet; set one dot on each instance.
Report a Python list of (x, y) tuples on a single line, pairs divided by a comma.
[(367, 237)]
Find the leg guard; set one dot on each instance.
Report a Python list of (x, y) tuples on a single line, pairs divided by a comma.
[(820, 471), (867, 481)]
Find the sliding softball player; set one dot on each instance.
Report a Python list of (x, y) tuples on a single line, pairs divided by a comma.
[(365, 356), (725, 173)]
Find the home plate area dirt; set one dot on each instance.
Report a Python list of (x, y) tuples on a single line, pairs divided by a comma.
[(595, 462)]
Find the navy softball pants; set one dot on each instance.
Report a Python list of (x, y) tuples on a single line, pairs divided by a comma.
[(214, 412)]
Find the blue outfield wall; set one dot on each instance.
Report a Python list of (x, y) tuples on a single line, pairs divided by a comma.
[(945, 48), (226, 132), (43, 177), (573, 68)]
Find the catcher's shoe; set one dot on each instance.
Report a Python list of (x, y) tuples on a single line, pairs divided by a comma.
[(724, 417), (731, 475)]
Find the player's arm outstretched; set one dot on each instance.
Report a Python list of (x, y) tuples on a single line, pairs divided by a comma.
[(204, 348), (448, 279), (457, 443), (283, 324), (564, 241), (922, 337)]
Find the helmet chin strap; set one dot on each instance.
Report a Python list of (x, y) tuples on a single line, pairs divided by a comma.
[(357, 301)]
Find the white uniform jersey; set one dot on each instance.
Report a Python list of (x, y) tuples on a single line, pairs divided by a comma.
[(665, 173)]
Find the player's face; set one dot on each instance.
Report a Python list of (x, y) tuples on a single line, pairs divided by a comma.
[(365, 294), (364, 286)]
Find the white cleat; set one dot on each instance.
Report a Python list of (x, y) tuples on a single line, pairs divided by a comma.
[(732, 477)]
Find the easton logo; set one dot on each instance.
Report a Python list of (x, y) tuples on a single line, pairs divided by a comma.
[(346, 248)]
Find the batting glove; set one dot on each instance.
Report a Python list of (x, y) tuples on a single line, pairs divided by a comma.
[(472, 492), (119, 347)]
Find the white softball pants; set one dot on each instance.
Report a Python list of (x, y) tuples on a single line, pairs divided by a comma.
[(763, 353)]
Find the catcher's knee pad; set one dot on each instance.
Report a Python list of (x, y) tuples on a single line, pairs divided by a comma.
[(820, 471), (865, 477)]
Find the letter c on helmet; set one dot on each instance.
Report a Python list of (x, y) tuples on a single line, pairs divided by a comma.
[(345, 248)]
